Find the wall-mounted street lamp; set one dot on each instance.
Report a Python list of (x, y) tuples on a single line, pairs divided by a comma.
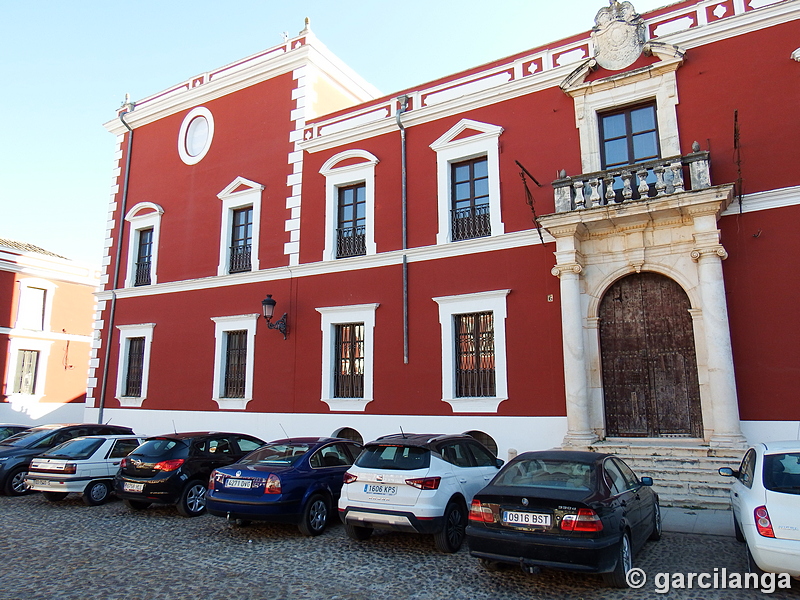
[(268, 306)]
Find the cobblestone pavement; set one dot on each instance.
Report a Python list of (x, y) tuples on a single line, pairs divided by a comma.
[(68, 550)]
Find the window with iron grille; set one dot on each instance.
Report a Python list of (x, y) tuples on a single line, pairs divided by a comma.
[(470, 199), (349, 357), (351, 221), (25, 377), (474, 354), (144, 255), (241, 240), (135, 370), (235, 364)]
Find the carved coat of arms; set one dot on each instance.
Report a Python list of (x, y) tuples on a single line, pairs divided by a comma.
[(618, 36)]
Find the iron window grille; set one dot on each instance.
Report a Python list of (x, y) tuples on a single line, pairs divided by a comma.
[(241, 240), (235, 364), (475, 356), (135, 370), (349, 374), (351, 231), (144, 257), (470, 199), (27, 367)]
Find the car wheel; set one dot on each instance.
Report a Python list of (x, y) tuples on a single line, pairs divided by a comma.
[(752, 567), (315, 515), (655, 535), (192, 502), (491, 565), (617, 577), (737, 530), (15, 484), (450, 538), (354, 532), (96, 493), (54, 496), (135, 504)]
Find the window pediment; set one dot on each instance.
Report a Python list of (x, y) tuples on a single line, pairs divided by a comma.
[(466, 131)]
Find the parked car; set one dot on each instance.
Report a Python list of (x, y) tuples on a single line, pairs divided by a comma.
[(174, 468), (84, 465), (765, 501), (418, 483), (296, 480), (574, 511), (17, 451), (9, 429)]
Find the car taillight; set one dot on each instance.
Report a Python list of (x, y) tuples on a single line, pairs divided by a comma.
[(70, 469), (763, 524), (168, 465), (273, 485), (211, 480), (123, 463), (425, 483), (585, 520), (480, 512), (349, 477)]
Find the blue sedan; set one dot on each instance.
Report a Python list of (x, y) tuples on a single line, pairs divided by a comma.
[(295, 480)]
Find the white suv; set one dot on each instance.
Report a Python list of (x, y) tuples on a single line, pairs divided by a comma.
[(420, 483)]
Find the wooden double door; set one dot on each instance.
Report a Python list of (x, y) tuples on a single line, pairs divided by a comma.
[(649, 363)]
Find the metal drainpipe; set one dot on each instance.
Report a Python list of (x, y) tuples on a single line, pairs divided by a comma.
[(403, 107), (115, 280)]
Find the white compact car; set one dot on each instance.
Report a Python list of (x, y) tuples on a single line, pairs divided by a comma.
[(83, 465), (419, 483), (765, 498)]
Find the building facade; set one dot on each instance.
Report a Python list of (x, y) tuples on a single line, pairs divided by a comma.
[(426, 271), (47, 305)]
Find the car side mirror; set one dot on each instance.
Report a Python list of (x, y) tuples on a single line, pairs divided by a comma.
[(647, 481), (499, 462), (728, 472)]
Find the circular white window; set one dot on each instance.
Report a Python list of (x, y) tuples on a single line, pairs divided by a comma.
[(194, 139)]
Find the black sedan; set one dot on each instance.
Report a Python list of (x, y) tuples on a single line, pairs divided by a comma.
[(575, 511)]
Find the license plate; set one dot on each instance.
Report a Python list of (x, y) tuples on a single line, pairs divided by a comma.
[(239, 483), (41, 482), (511, 517), (378, 489), (132, 487)]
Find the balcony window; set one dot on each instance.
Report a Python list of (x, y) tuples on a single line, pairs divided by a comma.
[(241, 240), (352, 221), (144, 257), (470, 199)]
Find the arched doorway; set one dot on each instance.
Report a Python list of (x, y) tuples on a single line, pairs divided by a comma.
[(650, 384)]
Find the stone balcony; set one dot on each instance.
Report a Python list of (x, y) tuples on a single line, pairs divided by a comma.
[(642, 181)]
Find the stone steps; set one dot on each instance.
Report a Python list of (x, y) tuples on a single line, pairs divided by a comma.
[(685, 472)]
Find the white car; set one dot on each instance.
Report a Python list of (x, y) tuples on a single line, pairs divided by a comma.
[(83, 465), (765, 499), (418, 483)]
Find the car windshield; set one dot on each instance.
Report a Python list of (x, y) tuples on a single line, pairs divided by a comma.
[(276, 454), (399, 458), (782, 472), (29, 436), (158, 446), (78, 448), (540, 473)]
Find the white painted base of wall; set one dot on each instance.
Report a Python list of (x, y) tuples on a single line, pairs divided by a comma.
[(519, 434), (770, 431), (41, 413)]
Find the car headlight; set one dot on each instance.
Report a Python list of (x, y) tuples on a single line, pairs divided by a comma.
[(3, 458)]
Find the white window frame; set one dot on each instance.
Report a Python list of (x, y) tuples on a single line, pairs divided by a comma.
[(233, 198), (338, 177), (200, 111), (40, 386), (151, 219), (491, 301), (335, 315), (449, 150), (126, 332), (594, 98), (25, 299), (221, 326)]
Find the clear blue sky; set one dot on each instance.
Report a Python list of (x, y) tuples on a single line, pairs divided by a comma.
[(65, 67)]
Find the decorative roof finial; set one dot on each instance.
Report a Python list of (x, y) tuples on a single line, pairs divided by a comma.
[(307, 28)]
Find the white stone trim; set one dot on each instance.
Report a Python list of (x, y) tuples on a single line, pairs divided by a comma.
[(126, 332), (486, 142), (331, 316), (494, 301), (222, 325), (199, 111), (336, 177), (150, 219), (233, 200)]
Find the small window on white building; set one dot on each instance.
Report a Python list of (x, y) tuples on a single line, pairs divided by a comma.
[(233, 360), (133, 368), (26, 371)]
